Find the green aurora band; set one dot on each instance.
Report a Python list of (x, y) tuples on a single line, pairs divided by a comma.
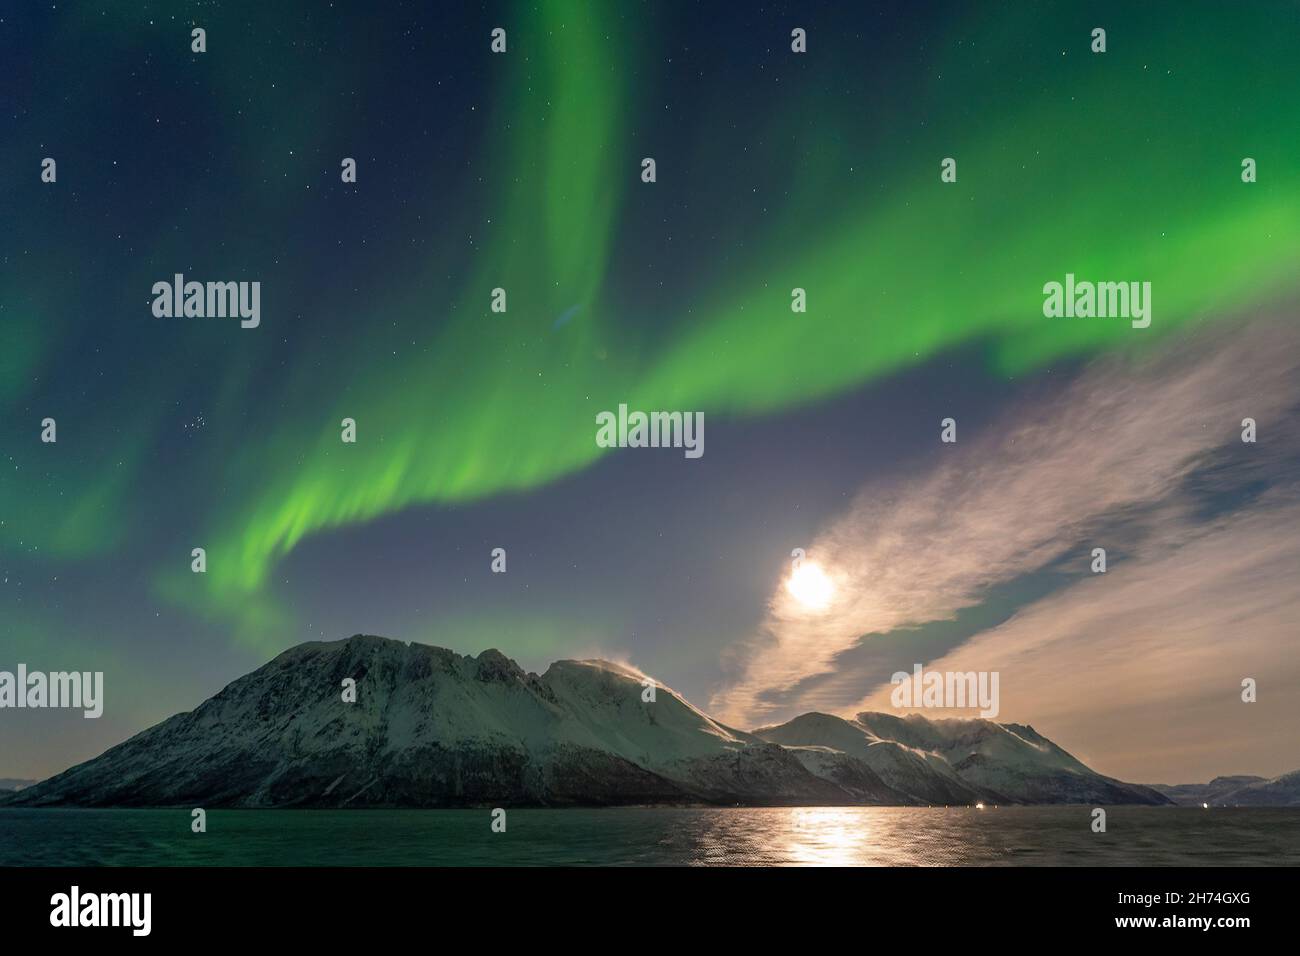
[(1068, 174)]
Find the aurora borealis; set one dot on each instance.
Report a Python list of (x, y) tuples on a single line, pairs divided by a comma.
[(522, 171)]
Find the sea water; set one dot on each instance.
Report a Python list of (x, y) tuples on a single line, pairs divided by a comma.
[(844, 836)]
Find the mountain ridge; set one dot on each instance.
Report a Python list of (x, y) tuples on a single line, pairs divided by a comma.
[(433, 728)]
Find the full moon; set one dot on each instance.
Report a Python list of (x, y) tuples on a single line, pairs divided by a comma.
[(810, 586)]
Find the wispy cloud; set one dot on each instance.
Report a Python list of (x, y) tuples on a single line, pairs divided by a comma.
[(1133, 449), (1139, 670)]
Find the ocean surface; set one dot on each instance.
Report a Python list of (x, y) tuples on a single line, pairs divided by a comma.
[(835, 836)]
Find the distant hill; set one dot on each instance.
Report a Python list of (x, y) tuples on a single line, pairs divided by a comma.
[(1242, 791), (432, 728)]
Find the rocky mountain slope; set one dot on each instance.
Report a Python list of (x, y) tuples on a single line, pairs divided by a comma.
[(432, 728)]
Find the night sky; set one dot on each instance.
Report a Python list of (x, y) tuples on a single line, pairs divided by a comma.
[(476, 430)]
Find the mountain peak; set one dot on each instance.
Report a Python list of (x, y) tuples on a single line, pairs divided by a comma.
[(495, 666), (602, 665)]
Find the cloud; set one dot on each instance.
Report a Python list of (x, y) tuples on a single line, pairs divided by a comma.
[(1139, 670), (1137, 446)]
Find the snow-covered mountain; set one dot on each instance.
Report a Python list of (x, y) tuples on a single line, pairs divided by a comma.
[(958, 761), (432, 728)]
